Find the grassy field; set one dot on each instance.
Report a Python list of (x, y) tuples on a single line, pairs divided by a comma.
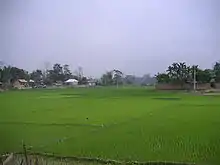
[(122, 124)]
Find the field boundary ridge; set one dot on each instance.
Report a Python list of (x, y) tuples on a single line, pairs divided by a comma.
[(70, 159)]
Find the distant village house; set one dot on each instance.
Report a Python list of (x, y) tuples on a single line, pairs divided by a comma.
[(72, 82), (22, 83)]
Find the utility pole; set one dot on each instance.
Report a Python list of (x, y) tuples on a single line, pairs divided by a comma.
[(194, 79)]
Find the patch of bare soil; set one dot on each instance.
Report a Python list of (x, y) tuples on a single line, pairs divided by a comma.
[(211, 94)]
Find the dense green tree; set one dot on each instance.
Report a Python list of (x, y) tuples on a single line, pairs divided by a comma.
[(180, 73), (37, 76), (117, 77), (9, 74), (203, 76), (56, 74), (83, 81), (163, 78), (107, 78), (216, 70), (6, 75), (67, 73)]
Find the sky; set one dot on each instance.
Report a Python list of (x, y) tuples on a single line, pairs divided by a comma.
[(134, 36)]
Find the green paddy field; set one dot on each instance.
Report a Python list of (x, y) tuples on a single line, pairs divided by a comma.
[(128, 124)]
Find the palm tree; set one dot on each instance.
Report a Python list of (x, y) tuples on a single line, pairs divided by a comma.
[(6, 74), (178, 73)]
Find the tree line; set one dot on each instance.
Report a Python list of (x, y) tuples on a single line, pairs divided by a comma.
[(61, 73), (181, 73), (177, 73), (58, 73)]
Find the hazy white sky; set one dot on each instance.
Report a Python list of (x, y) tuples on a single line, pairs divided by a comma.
[(136, 36)]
